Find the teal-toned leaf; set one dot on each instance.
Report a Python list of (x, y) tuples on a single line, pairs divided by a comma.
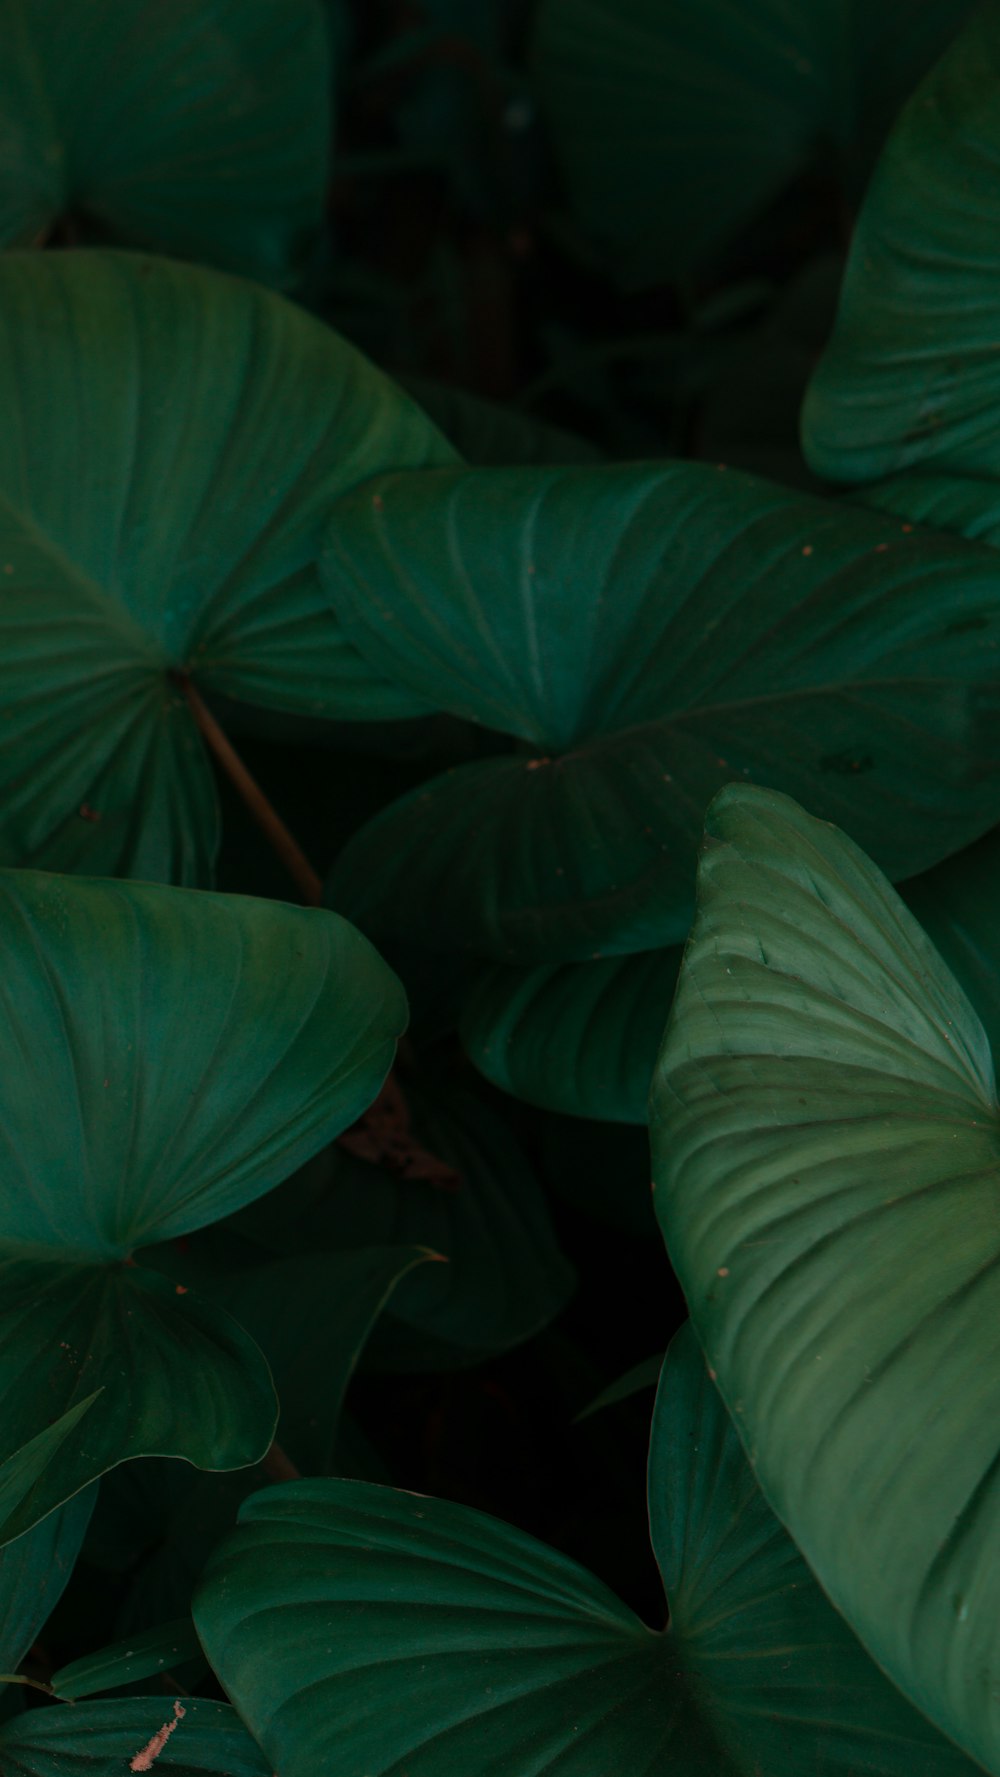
[(910, 377), (826, 1144), (379, 1631), (196, 1049), (107, 1739), (34, 1572), (145, 1655), (575, 1037), (200, 129), (678, 121), (506, 1277), (650, 633), (175, 441)]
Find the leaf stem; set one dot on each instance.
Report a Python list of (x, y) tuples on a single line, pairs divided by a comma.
[(264, 813), (34, 1684)]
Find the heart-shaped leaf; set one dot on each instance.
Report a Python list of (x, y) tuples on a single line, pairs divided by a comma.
[(678, 121), (188, 1738), (201, 128), (911, 374), (575, 1037), (826, 1143), (373, 1631), (175, 441), (652, 632), (165, 1057)]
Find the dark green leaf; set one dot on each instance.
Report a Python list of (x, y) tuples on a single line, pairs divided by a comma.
[(678, 121), (175, 440), (644, 1375), (374, 1631), (506, 1277), (146, 1655), (196, 1048), (200, 128), (652, 632), (911, 376), (575, 1037), (106, 1740), (34, 1572), (826, 1148)]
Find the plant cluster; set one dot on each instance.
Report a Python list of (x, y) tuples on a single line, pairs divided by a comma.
[(421, 615)]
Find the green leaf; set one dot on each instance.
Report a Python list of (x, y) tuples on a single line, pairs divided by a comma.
[(911, 375), (201, 129), (34, 1572), (145, 1655), (489, 433), (375, 1631), (175, 442), (311, 1316), (826, 1148), (106, 1739), (506, 1277), (197, 1048), (581, 1038), (678, 121), (650, 633)]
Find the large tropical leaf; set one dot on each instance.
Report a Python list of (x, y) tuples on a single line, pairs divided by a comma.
[(200, 128), (374, 1631), (174, 441), (826, 1146), (911, 374), (107, 1739), (651, 632), (165, 1057), (677, 121), (575, 1037)]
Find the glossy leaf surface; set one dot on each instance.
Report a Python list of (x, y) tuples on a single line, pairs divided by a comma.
[(196, 1048), (678, 121), (575, 1037), (826, 1146), (651, 633), (197, 129), (175, 441), (387, 1631), (910, 377)]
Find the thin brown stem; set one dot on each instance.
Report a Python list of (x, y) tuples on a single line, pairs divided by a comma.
[(264, 813), (35, 1684), (279, 1467)]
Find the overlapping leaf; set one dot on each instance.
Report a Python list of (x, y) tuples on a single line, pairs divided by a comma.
[(201, 128), (165, 1057), (506, 1277), (650, 633), (205, 1739), (826, 1144), (174, 441), (575, 1037), (911, 377), (678, 121), (378, 1631)]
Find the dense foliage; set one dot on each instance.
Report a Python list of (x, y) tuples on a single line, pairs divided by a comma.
[(491, 493)]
